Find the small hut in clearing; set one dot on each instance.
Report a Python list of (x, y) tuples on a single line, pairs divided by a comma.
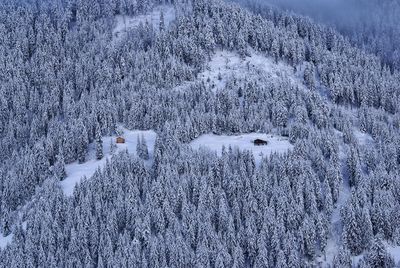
[(120, 140), (260, 142)]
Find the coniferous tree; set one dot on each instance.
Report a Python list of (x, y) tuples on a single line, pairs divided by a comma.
[(113, 146), (141, 148), (82, 142), (59, 166), (377, 255), (99, 143), (342, 259)]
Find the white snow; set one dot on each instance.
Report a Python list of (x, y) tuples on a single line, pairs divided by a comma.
[(276, 144), (363, 138), (334, 240), (5, 240), (226, 64), (395, 252), (76, 171), (125, 23)]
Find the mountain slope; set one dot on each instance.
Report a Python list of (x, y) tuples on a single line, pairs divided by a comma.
[(216, 68)]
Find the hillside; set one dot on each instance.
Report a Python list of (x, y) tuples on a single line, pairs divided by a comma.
[(191, 86)]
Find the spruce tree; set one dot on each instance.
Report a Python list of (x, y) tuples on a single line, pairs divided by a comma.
[(99, 143), (342, 259), (377, 255), (141, 148), (59, 166)]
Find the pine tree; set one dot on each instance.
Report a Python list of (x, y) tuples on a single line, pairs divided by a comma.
[(342, 259), (99, 143), (309, 78), (162, 22), (141, 148), (353, 164), (352, 227), (82, 142), (113, 146), (377, 255), (59, 166), (367, 227), (322, 231)]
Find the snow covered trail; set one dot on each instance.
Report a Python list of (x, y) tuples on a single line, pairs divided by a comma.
[(276, 144), (76, 172), (334, 241)]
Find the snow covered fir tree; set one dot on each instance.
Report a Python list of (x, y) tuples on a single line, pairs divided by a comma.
[(198, 133)]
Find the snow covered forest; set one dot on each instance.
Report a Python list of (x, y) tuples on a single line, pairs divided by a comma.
[(188, 86)]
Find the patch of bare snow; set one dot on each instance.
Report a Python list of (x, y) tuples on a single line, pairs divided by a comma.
[(363, 138), (224, 65), (76, 172), (5, 240), (125, 23), (394, 251), (276, 144)]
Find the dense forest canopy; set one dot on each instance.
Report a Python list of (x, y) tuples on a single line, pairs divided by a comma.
[(371, 25), (66, 83)]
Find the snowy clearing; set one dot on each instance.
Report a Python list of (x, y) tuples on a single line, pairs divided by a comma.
[(395, 252), (363, 138), (276, 144), (5, 240), (76, 171), (226, 64), (125, 23)]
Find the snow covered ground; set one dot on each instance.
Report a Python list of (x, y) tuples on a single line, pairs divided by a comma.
[(226, 64), (125, 23), (394, 251), (276, 144), (5, 240), (76, 171), (363, 138), (334, 242)]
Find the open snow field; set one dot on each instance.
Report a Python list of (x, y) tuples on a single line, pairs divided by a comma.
[(5, 240), (276, 144), (225, 65), (126, 23), (76, 171), (363, 138)]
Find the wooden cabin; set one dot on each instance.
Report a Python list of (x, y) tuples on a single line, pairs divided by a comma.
[(260, 142), (120, 140)]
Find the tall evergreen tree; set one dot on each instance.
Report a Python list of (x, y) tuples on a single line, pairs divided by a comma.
[(99, 143)]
